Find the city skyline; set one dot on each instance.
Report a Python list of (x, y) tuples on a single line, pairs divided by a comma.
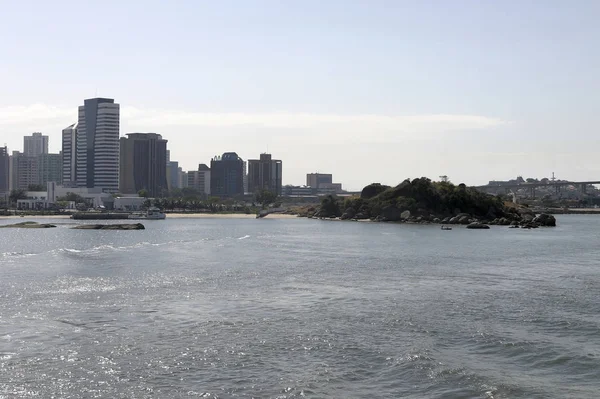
[(368, 91)]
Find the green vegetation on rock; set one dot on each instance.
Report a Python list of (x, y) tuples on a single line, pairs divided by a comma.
[(422, 200)]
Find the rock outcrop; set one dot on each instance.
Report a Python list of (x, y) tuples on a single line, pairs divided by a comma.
[(28, 225), (477, 226), (423, 201), (134, 226), (545, 220), (348, 214), (391, 214)]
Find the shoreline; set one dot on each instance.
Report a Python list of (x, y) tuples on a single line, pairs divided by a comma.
[(180, 215), (172, 216)]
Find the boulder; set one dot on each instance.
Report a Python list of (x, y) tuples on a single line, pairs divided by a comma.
[(436, 220), (361, 216), (391, 214), (527, 217), (405, 215), (372, 190), (453, 220), (503, 222), (465, 219), (134, 226), (525, 211), (348, 214), (545, 220), (530, 225), (478, 226)]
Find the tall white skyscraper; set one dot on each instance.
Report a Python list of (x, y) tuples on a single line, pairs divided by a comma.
[(34, 145), (98, 144), (69, 155)]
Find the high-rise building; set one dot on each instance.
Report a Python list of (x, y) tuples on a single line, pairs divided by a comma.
[(173, 175), (35, 145), (143, 164), (49, 168), (98, 145), (245, 172), (4, 170), (69, 155), (183, 178), (23, 171), (227, 175), (264, 174), (200, 179), (13, 170), (316, 180)]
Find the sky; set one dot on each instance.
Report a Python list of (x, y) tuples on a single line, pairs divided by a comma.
[(370, 91)]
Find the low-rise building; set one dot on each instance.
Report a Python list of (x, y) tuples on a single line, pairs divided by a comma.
[(129, 203), (94, 196)]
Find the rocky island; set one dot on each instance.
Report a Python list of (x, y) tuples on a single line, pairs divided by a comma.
[(28, 225), (424, 201), (35, 225), (134, 226)]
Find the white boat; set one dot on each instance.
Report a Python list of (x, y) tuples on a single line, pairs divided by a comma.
[(152, 214)]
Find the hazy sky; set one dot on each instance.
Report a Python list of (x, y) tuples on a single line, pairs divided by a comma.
[(366, 90)]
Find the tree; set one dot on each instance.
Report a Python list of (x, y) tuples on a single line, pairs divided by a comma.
[(36, 187), (16, 195), (330, 206), (76, 198), (265, 197), (143, 193)]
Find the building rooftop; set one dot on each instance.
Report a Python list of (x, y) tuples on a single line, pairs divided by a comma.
[(227, 156)]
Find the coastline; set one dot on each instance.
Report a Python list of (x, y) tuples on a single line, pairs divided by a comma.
[(172, 216)]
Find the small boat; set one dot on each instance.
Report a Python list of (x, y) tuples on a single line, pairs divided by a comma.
[(446, 228), (151, 214)]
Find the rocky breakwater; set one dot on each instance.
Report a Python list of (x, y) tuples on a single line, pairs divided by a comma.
[(134, 226), (422, 201), (28, 225)]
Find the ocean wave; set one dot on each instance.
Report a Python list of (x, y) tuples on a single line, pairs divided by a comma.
[(16, 254)]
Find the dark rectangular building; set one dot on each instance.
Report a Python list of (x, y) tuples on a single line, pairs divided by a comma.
[(143, 164), (227, 176), (316, 180), (264, 174)]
